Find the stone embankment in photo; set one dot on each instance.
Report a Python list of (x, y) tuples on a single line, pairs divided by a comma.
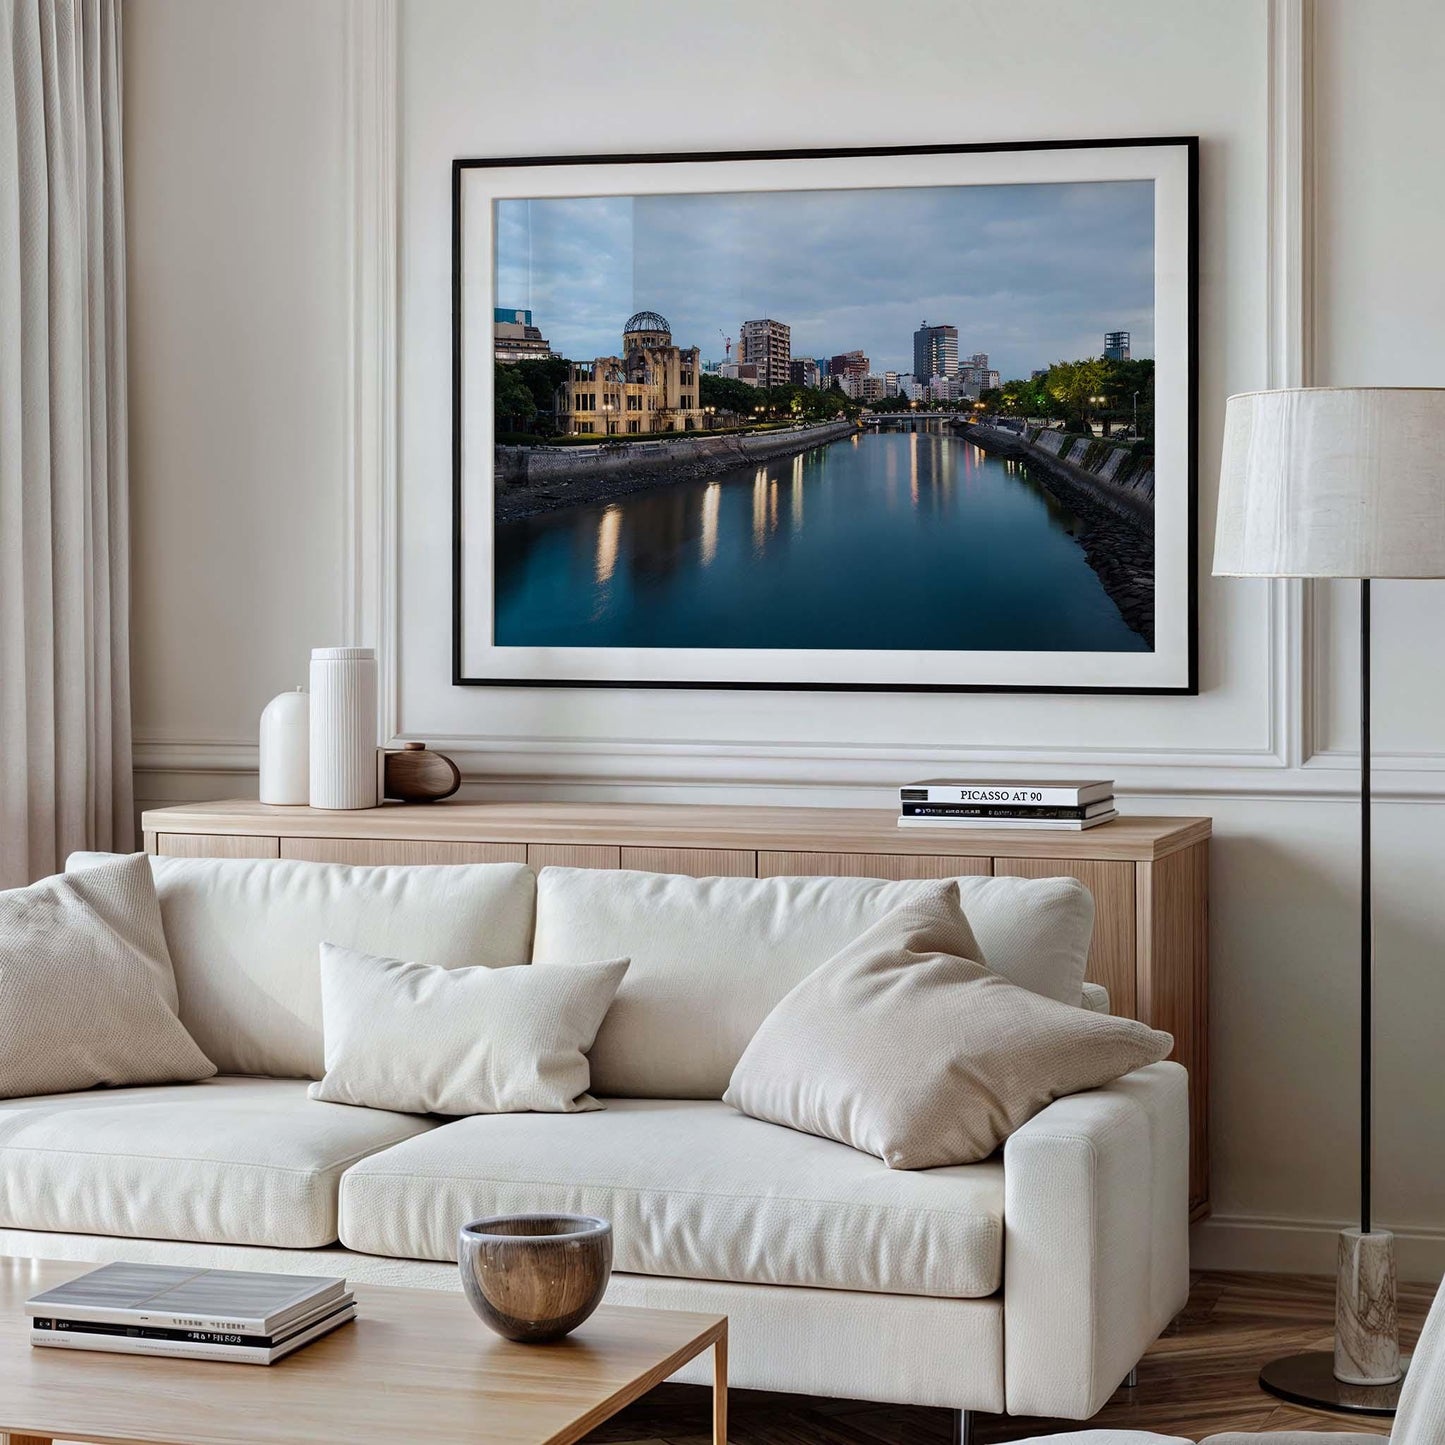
[(544, 479), (1110, 492)]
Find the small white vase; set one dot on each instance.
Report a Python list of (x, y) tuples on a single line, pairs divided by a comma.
[(286, 749), (343, 727)]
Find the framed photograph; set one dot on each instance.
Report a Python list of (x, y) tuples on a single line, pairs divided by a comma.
[(905, 419)]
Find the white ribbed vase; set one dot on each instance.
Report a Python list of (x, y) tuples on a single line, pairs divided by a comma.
[(343, 727)]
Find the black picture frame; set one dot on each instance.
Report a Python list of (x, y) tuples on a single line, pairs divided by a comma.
[(1190, 145)]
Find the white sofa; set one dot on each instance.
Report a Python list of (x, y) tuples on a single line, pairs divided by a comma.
[(1030, 1283)]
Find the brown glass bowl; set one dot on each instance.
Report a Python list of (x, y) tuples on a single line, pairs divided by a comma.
[(535, 1277)]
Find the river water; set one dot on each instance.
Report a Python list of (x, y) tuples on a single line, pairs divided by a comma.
[(903, 539)]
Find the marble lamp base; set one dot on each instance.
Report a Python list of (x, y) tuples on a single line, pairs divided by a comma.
[(1367, 1321), (1363, 1374)]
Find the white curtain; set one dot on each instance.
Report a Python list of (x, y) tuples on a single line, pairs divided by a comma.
[(65, 766)]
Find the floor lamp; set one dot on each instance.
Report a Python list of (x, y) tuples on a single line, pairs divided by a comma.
[(1341, 482)]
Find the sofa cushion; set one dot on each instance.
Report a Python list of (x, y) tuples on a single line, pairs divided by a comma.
[(904, 1046), (228, 1161), (428, 1040), (87, 992), (712, 956), (693, 1190), (245, 938)]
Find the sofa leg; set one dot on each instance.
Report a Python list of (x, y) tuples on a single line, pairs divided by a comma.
[(962, 1427), (1132, 1378)]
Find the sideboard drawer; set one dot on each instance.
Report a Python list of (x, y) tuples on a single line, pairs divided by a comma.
[(694, 862), (869, 865), (573, 855), (398, 850), (1113, 956), (216, 845)]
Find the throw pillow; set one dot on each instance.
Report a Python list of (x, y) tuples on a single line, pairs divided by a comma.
[(417, 1038), (712, 956), (87, 995), (903, 1046)]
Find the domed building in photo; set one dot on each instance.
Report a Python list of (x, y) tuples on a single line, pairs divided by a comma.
[(652, 386)]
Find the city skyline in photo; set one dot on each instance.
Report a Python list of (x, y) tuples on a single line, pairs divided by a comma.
[(1030, 273)]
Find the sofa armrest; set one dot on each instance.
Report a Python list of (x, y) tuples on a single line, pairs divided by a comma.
[(1096, 1239)]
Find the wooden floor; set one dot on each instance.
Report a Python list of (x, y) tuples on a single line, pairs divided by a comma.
[(1199, 1379)]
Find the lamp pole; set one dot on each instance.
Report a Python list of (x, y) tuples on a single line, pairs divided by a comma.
[(1367, 930)]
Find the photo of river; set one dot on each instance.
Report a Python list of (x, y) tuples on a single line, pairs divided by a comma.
[(860, 425), (903, 536)]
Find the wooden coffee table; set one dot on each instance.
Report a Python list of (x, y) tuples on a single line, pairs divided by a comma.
[(415, 1365)]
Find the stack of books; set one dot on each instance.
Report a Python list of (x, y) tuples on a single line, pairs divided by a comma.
[(198, 1314), (949, 803)]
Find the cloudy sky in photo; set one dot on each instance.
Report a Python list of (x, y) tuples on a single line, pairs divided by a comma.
[(1030, 274)]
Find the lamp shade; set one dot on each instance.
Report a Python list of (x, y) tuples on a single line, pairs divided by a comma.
[(1333, 482)]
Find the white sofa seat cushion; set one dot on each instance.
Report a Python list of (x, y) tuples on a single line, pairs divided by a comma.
[(228, 1161), (694, 1190), (245, 938), (711, 957)]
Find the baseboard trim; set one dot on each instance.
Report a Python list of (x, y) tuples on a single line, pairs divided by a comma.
[(1261, 1245)]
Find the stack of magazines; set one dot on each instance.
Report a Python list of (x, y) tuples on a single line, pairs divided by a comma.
[(957, 803), (197, 1314)]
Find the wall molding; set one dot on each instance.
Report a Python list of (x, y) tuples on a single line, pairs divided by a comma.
[(1319, 618), (572, 768), (1289, 334), (1349, 758), (369, 580), (1265, 1245), (646, 763)]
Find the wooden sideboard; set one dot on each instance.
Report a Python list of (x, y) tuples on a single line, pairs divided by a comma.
[(1149, 876)]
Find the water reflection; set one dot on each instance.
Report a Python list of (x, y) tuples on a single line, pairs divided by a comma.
[(711, 501), (975, 556), (609, 529)]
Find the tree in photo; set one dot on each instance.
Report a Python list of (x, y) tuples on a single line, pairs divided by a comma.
[(512, 398)]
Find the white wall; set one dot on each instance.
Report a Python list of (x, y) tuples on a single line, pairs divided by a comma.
[(240, 345), (237, 250)]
